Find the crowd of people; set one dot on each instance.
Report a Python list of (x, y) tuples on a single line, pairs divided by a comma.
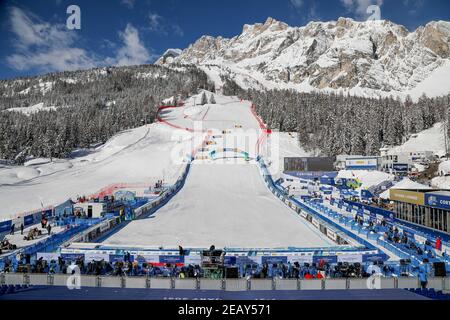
[(127, 267)]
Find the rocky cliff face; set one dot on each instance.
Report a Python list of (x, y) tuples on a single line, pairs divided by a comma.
[(376, 55)]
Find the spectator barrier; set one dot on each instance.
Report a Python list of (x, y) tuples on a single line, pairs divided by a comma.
[(441, 284), (318, 220)]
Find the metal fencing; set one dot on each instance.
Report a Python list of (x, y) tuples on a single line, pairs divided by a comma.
[(212, 284)]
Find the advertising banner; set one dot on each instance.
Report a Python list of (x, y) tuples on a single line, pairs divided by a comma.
[(72, 256), (326, 259), (373, 257), (315, 223), (148, 258), (113, 258), (28, 220), (274, 259), (301, 259), (361, 164), (196, 260), (5, 226), (331, 234), (93, 256), (350, 258), (47, 256), (400, 167), (407, 196), (437, 201), (171, 259), (229, 260)]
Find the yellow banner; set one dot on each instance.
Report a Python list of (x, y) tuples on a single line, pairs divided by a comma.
[(407, 196)]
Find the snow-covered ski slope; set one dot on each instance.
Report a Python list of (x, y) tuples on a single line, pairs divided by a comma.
[(140, 155), (224, 202)]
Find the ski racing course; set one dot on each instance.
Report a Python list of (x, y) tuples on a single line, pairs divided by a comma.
[(224, 201)]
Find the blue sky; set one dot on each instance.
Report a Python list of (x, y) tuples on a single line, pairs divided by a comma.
[(121, 32)]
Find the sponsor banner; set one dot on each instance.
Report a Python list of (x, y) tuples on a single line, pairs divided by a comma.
[(350, 258), (315, 223), (437, 201), (256, 259), (72, 256), (113, 258), (303, 214), (171, 259), (274, 259), (93, 256), (148, 258), (331, 234), (28, 220), (400, 167), (373, 257), (361, 164), (407, 196), (228, 260), (326, 259), (47, 256), (5, 226), (301, 259), (195, 260), (104, 226)]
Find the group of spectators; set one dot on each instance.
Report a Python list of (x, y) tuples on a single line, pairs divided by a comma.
[(126, 267), (394, 236)]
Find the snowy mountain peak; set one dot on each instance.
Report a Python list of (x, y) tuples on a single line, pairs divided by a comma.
[(376, 56), (169, 55)]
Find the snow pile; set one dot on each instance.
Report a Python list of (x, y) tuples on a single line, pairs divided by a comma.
[(406, 184), (33, 109), (441, 183), (432, 86), (367, 178), (444, 168), (427, 140)]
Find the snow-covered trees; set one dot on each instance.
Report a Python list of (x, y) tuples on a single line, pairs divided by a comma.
[(212, 100), (340, 124), (92, 106), (204, 99)]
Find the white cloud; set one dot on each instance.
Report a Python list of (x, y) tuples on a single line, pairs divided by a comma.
[(51, 47), (177, 30), (359, 7), (133, 51), (155, 21), (44, 46), (413, 5), (128, 3), (297, 3), (159, 25)]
